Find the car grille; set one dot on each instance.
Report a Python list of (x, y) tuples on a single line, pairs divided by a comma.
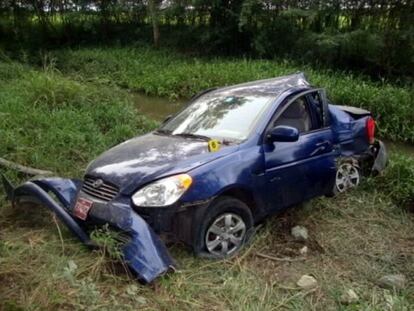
[(98, 188)]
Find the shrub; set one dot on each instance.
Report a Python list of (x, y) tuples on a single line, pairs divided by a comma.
[(398, 180)]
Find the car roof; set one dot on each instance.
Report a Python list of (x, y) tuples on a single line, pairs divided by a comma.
[(272, 87)]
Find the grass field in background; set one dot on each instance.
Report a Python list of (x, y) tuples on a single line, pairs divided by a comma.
[(166, 73), (62, 116)]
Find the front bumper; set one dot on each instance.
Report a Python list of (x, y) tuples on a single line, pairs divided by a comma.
[(144, 253)]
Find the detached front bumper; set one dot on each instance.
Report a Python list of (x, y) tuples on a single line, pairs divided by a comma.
[(144, 253)]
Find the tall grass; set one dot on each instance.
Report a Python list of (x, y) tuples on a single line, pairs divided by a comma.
[(165, 73), (50, 121), (398, 180)]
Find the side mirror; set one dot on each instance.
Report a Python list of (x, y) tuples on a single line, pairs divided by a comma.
[(283, 133), (167, 118)]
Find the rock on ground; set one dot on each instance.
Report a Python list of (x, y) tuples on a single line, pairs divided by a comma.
[(349, 297), (307, 282), (299, 233), (304, 250), (391, 281)]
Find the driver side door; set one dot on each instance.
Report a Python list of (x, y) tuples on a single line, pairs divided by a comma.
[(299, 170)]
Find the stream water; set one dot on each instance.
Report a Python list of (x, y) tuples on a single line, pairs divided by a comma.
[(158, 108), (400, 147)]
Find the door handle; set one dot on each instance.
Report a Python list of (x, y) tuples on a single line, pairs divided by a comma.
[(325, 143), (318, 150), (321, 147)]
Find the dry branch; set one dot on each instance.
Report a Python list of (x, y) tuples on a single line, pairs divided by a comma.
[(286, 259), (23, 169)]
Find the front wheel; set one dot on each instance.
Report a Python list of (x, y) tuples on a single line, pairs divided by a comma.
[(224, 228)]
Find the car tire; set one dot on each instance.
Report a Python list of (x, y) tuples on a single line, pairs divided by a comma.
[(235, 220), (347, 176)]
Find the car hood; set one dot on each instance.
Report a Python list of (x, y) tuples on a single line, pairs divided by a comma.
[(142, 159)]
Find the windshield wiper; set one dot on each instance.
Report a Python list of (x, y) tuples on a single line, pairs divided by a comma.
[(190, 135), (225, 142), (163, 132), (228, 142)]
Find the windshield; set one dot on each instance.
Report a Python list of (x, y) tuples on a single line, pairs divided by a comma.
[(219, 116)]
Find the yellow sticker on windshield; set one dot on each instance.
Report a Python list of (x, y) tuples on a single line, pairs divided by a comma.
[(214, 145)]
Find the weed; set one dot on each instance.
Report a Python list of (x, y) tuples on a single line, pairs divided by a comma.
[(109, 240), (398, 180)]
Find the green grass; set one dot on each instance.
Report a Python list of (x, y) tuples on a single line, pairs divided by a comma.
[(355, 239), (398, 180), (166, 73), (52, 121), (61, 121)]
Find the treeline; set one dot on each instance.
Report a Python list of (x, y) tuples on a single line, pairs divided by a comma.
[(372, 36)]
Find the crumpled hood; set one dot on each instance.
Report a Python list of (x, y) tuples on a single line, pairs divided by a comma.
[(144, 158)]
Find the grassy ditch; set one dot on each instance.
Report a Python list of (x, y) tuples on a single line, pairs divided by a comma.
[(165, 73), (61, 121), (48, 120)]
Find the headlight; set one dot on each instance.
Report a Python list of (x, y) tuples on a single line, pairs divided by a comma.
[(163, 192)]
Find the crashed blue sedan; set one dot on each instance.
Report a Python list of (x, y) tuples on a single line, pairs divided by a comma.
[(231, 158)]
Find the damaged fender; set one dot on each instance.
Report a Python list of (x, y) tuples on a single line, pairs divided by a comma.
[(144, 253)]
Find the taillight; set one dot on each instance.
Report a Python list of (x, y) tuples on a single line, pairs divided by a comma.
[(370, 130)]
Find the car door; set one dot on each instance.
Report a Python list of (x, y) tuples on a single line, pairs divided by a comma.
[(299, 170)]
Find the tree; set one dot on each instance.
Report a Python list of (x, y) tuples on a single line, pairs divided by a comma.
[(153, 7)]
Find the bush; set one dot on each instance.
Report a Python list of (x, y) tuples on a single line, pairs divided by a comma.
[(398, 180), (376, 53)]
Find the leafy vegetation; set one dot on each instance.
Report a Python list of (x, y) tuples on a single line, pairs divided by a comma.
[(50, 121), (165, 73), (398, 180), (363, 35)]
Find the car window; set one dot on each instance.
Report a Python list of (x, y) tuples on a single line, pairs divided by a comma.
[(220, 116), (296, 115), (316, 105)]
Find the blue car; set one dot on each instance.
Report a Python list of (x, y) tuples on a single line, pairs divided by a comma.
[(230, 159)]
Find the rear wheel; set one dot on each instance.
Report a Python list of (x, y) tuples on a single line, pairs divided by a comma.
[(224, 228), (347, 176)]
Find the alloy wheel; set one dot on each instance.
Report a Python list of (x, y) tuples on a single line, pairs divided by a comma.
[(347, 176), (225, 235)]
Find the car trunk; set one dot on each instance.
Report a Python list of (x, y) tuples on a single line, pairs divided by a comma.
[(349, 127)]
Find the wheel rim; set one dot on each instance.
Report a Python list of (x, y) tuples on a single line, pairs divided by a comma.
[(347, 177), (225, 235)]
